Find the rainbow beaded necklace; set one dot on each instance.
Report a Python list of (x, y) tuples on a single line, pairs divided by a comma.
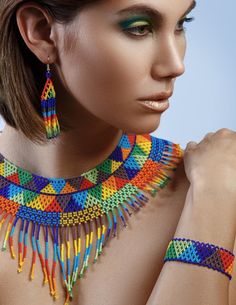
[(102, 197)]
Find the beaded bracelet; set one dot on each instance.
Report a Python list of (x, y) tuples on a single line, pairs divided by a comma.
[(199, 253)]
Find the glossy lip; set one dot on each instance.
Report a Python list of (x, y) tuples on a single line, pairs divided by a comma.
[(157, 97), (164, 105)]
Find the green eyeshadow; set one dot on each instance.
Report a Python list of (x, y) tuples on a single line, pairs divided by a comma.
[(138, 20)]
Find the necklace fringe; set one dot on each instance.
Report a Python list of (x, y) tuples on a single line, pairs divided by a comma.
[(101, 226)]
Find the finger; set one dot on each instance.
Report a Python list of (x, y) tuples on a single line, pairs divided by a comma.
[(208, 135), (191, 145), (224, 131)]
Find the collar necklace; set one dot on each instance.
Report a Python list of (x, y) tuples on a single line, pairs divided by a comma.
[(96, 202)]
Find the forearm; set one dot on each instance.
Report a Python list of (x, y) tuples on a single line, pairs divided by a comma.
[(186, 284)]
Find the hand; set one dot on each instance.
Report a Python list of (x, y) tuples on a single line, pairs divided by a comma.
[(212, 162)]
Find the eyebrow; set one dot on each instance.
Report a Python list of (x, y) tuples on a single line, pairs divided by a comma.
[(152, 12)]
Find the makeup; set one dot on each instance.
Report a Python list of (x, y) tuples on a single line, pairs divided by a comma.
[(157, 106), (134, 21), (144, 13)]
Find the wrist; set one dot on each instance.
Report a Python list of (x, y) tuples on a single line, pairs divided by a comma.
[(212, 200), (201, 253), (202, 221), (214, 186)]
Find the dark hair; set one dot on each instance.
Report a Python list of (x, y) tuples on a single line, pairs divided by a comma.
[(22, 75)]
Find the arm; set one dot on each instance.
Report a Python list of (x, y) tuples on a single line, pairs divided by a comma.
[(232, 285), (186, 284)]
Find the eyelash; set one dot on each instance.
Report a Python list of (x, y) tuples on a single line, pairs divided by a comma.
[(149, 26), (181, 22)]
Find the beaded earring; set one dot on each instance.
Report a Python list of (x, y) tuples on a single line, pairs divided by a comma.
[(48, 107)]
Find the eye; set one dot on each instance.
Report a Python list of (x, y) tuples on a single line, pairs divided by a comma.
[(139, 29), (180, 27)]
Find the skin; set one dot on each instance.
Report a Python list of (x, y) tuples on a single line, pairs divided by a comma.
[(98, 115), (99, 73)]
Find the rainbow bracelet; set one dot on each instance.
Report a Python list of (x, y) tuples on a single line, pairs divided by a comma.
[(200, 253)]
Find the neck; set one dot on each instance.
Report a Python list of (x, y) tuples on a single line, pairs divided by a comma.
[(69, 156)]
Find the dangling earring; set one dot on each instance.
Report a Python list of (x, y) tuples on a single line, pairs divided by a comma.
[(48, 107)]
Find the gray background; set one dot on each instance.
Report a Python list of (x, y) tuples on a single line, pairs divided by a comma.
[(204, 97)]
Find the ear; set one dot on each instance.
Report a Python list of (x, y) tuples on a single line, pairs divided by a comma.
[(36, 28)]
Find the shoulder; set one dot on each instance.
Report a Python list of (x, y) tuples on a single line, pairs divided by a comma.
[(166, 154), (159, 146), (170, 154)]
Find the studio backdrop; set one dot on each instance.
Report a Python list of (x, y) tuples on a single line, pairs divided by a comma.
[(204, 99)]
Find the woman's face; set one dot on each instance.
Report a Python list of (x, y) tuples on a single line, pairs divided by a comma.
[(112, 55)]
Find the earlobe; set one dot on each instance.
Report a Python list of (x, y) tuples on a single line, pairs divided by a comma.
[(35, 26)]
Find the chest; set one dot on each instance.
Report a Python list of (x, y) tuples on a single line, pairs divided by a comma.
[(126, 271)]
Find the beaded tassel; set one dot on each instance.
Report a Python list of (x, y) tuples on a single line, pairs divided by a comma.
[(20, 244), (25, 243), (102, 242), (70, 276), (68, 252), (96, 204), (74, 234), (11, 238), (90, 245), (42, 261), (61, 257), (48, 107), (34, 252), (4, 247), (99, 242), (54, 264), (47, 268), (3, 220), (87, 234)]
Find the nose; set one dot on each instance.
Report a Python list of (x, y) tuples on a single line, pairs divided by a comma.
[(169, 57)]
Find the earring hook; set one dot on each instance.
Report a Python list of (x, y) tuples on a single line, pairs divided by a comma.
[(48, 67)]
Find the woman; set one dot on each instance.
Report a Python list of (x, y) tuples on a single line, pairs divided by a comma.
[(84, 158)]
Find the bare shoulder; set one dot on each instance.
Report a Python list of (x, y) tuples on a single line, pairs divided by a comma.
[(173, 195), (178, 177)]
